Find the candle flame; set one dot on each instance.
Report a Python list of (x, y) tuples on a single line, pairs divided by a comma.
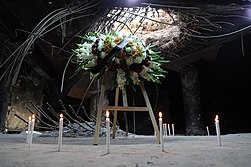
[(33, 116), (29, 118), (216, 118), (107, 114), (61, 115), (160, 114)]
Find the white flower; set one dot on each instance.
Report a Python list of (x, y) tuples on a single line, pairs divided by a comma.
[(128, 49), (113, 44), (144, 73), (135, 77), (78, 55), (93, 38), (129, 60), (150, 51), (100, 45), (87, 55), (85, 48), (102, 55), (84, 55), (120, 73), (113, 38), (81, 49), (121, 78), (121, 82), (91, 63), (154, 64), (137, 60), (117, 60), (102, 37), (143, 55), (133, 48)]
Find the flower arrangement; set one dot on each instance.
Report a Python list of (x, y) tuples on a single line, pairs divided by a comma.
[(131, 64)]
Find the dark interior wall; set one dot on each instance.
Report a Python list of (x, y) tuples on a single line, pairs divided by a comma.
[(25, 90), (225, 86)]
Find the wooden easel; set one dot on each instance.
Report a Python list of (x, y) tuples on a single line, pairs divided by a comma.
[(125, 107)]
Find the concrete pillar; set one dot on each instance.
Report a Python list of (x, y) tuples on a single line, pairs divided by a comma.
[(192, 103)]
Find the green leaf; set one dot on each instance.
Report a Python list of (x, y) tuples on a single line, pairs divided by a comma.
[(93, 34), (86, 38)]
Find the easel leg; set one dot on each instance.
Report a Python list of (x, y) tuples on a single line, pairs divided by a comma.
[(148, 104), (125, 103), (99, 115), (115, 114)]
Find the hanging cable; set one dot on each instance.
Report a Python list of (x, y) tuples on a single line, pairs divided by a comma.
[(242, 45)]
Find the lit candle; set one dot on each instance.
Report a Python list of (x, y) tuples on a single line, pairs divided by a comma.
[(107, 132), (217, 125), (169, 131), (32, 129), (161, 131), (29, 131), (165, 129), (60, 131), (173, 129), (208, 131)]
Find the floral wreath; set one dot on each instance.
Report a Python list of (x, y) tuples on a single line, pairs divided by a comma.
[(131, 64)]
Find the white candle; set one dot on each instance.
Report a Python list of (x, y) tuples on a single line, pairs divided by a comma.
[(32, 129), (217, 125), (169, 131), (165, 129), (161, 131), (60, 131), (107, 132), (208, 131), (29, 131), (173, 129)]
